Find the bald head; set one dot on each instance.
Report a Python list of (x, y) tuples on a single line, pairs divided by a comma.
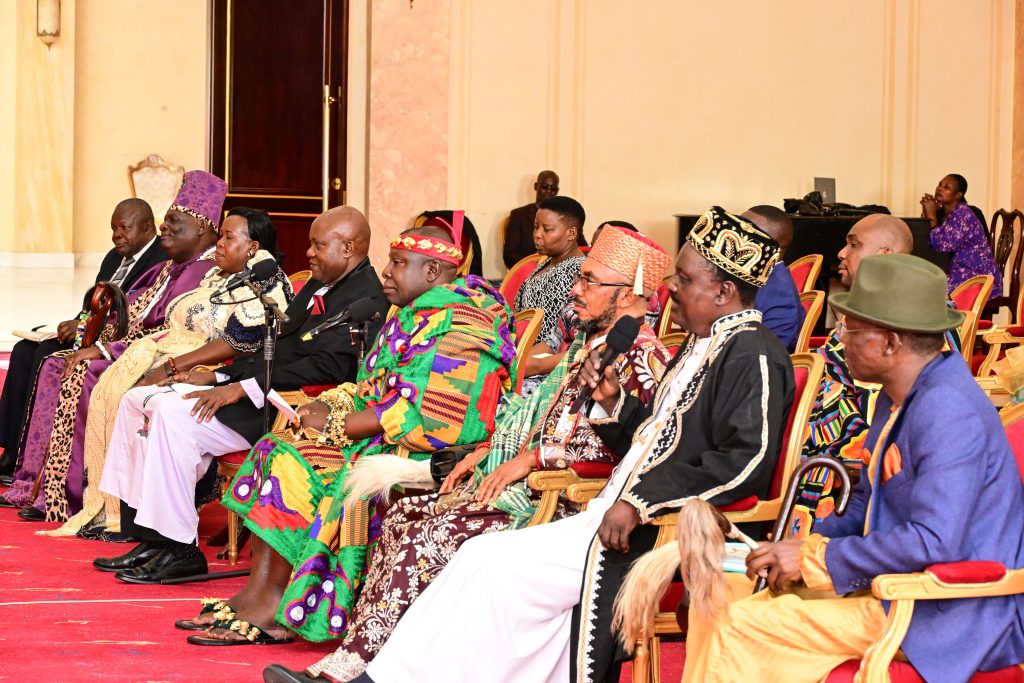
[(877, 233), (773, 221), (339, 240)]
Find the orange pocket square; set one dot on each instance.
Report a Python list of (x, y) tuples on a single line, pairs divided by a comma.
[(892, 463)]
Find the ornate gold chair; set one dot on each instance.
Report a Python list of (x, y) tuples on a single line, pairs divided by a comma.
[(157, 181), (528, 324), (813, 303), (516, 276), (805, 271), (957, 580), (970, 297)]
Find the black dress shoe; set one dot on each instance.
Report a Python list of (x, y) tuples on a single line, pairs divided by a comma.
[(275, 673), (137, 556), (170, 563), (32, 515), (6, 479), (4, 503)]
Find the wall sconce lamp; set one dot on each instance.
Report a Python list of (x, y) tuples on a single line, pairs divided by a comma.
[(48, 21)]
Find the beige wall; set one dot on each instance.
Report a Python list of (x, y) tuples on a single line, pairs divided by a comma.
[(36, 137), (141, 89), (652, 108), (646, 109)]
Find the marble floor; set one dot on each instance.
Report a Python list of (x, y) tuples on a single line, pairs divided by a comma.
[(39, 296)]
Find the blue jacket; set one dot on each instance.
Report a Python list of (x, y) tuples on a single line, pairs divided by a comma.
[(779, 303), (958, 497)]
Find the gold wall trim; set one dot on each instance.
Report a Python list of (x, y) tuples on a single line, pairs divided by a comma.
[(227, 97), (310, 197)]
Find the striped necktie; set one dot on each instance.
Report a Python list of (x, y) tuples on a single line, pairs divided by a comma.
[(122, 271)]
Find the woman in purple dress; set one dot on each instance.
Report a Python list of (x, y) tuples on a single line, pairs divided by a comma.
[(956, 229)]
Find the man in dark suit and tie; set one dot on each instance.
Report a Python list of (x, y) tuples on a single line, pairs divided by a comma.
[(185, 432), (136, 250)]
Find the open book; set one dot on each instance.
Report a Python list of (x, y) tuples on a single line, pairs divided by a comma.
[(37, 336)]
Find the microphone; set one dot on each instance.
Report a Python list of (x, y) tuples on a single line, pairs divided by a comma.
[(361, 310), (620, 338), (264, 270)]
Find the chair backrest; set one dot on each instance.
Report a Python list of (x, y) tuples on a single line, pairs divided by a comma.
[(300, 279), (805, 271), (970, 296), (517, 275), (157, 181), (813, 303), (528, 324), (1005, 235), (1014, 426), (673, 341), (808, 369)]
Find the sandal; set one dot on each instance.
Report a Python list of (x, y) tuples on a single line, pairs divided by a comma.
[(251, 635), (222, 608)]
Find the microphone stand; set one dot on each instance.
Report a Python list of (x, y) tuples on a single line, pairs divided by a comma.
[(275, 317)]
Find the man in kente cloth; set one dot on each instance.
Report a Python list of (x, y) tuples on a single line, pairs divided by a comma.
[(536, 604), (941, 486), (432, 379), (421, 534)]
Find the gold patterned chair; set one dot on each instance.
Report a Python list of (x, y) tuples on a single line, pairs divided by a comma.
[(805, 271), (813, 303), (157, 181), (970, 297)]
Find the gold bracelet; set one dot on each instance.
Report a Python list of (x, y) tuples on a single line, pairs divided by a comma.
[(334, 430), (341, 402)]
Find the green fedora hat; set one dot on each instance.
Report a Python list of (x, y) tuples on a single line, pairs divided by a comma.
[(899, 292)]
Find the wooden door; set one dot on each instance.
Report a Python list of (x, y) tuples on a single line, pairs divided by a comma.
[(277, 110)]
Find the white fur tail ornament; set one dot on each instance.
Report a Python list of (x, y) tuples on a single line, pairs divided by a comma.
[(377, 475), (641, 592)]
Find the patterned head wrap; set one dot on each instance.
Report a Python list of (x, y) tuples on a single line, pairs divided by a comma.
[(735, 245), (633, 255), (435, 247), (202, 197)]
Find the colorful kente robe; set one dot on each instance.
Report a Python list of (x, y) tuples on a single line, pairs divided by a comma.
[(434, 378), (421, 534)]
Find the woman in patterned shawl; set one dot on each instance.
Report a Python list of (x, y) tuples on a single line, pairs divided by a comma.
[(205, 327), (559, 221), (55, 422), (432, 379)]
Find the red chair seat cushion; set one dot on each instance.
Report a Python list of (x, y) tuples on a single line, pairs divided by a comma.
[(972, 571), (236, 458), (984, 325), (741, 505), (673, 596), (315, 390), (592, 470), (901, 672), (1015, 330)]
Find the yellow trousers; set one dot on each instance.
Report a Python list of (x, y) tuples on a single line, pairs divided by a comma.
[(788, 638)]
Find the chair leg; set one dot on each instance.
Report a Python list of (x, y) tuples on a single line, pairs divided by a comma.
[(641, 662), (232, 539), (655, 659)]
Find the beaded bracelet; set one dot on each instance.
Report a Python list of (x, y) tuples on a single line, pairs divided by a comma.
[(340, 401), (170, 368)]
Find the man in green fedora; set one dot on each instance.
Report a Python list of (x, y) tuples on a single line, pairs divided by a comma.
[(941, 486)]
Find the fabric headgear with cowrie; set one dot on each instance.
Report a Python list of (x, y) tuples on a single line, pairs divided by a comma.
[(633, 255), (735, 245), (435, 247), (202, 197)]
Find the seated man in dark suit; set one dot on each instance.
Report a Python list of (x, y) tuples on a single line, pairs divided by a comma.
[(136, 250), (184, 433), (778, 300), (518, 240)]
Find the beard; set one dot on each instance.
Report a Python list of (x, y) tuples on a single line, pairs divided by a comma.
[(601, 322)]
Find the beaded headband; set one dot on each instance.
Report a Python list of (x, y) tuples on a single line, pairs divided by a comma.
[(435, 247)]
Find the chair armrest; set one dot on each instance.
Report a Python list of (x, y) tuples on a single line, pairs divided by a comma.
[(552, 480), (585, 491), (949, 581)]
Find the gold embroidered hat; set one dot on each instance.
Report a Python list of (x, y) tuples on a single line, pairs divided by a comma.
[(633, 255), (735, 245)]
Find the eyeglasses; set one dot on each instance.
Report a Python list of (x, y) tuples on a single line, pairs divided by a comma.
[(587, 283), (548, 188), (842, 330)]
